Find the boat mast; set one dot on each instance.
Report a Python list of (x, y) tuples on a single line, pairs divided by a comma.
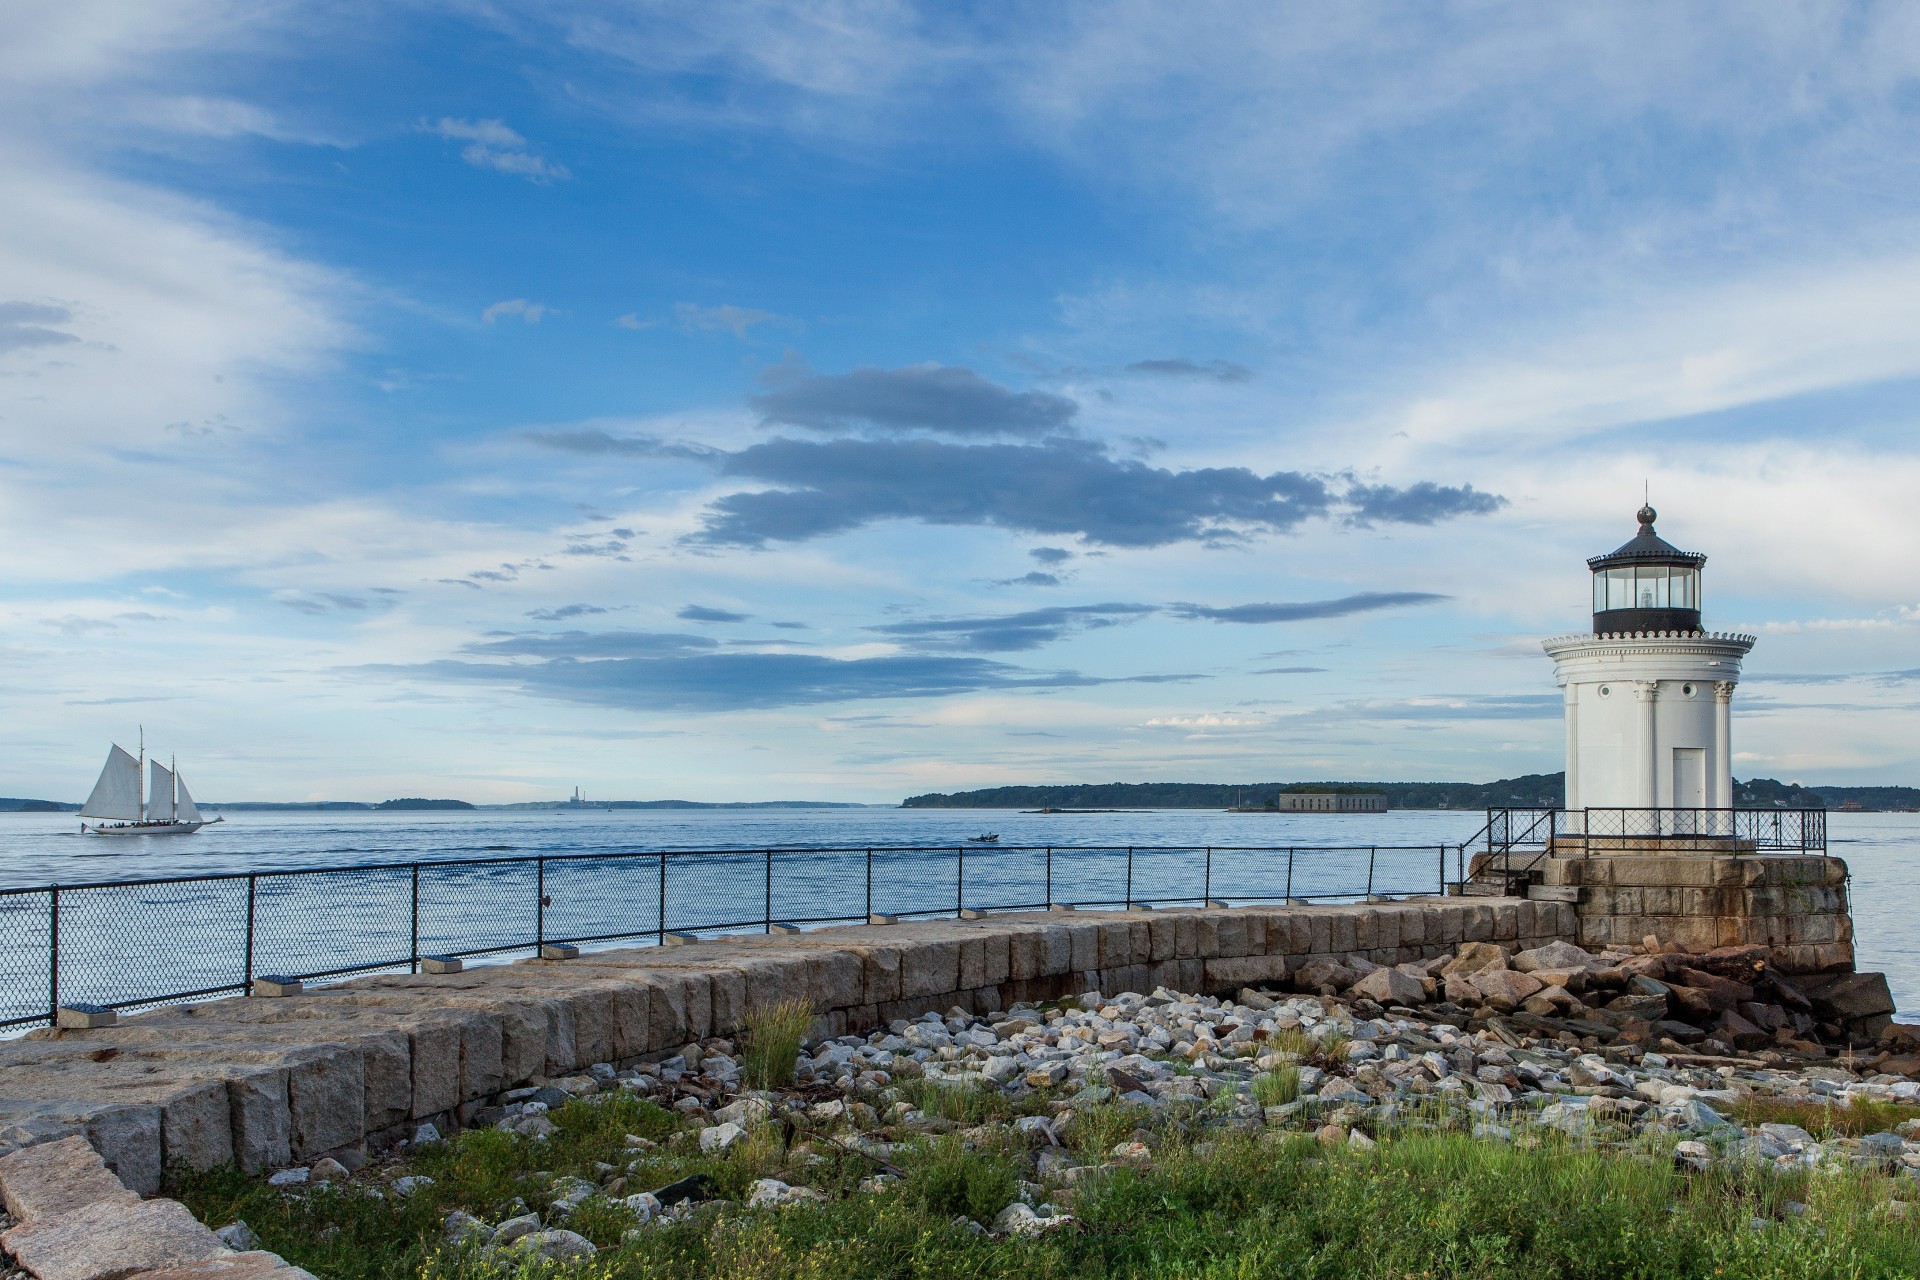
[(140, 778), (173, 782)]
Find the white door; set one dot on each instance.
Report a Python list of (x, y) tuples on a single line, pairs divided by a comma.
[(1689, 790)]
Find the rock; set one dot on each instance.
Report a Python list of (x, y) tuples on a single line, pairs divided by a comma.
[(327, 1170), (464, 1228), (109, 1239), (1330, 1135), (720, 1137), (426, 1135), (1000, 1069), (1742, 1033), (1474, 957), (556, 1245), (1692, 1156), (1555, 955), (744, 1111), (58, 1177), (1320, 975), (515, 1228), (1718, 994), (1860, 1002), (238, 1236), (289, 1178), (694, 1187), (1652, 1008), (644, 1205), (406, 1186), (1389, 987), (1504, 988)]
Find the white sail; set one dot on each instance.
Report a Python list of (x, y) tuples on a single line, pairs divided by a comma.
[(117, 794), (186, 810), (159, 792)]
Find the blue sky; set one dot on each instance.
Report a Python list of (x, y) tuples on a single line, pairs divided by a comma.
[(848, 400)]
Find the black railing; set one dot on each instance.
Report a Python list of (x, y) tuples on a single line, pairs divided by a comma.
[(133, 943), (1519, 832)]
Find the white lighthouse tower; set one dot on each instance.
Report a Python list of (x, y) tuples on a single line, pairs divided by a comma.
[(1649, 696)]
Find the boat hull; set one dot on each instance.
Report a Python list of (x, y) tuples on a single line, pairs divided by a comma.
[(141, 828)]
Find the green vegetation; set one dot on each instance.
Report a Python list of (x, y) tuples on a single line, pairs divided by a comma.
[(1423, 1204), (1822, 1119), (774, 1033), (1528, 790), (1277, 1087)]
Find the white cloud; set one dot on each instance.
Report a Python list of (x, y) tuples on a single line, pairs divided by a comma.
[(492, 145), (531, 312), (735, 320)]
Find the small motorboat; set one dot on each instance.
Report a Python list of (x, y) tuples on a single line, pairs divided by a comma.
[(988, 838)]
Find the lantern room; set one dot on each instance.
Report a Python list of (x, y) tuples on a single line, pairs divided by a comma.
[(1648, 585)]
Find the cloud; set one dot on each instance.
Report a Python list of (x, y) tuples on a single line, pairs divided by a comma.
[(667, 673), (24, 324), (531, 312), (1014, 631), (1057, 487), (925, 397), (1212, 370), (1422, 503), (1303, 610), (1034, 579), (1456, 707), (323, 602), (1051, 555), (492, 145), (1288, 671), (791, 626), (632, 321), (701, 613), (735, 320), (564, 612)]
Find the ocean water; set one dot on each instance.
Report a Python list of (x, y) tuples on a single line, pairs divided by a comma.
[(324, 922)]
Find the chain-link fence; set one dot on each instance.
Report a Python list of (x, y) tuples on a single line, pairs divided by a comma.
[(136, 943)]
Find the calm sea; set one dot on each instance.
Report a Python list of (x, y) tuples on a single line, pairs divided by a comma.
[(1883, 850)]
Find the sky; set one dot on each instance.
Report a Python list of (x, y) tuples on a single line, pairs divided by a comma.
[(843, 400)]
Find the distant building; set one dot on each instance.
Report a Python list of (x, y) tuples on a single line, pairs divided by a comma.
[(1331, 802)]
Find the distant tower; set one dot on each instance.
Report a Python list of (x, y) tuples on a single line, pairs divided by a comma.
[(1648, 694)]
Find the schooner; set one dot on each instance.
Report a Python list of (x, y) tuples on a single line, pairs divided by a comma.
[(162, 809)]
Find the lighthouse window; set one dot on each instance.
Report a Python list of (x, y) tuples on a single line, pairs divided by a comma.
[(1619, 588), (1685, 588)]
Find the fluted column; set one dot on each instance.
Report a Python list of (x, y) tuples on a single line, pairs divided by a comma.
[(1723, 744), (1646, 693), (1573, 745)]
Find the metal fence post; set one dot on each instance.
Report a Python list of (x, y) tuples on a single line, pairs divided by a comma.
[(960, 881), (1049, 893), (1443, 870), (1371, 851), (661, 919), (1289, 873), (869, 884), (246, 966), (53, 956), (1129, 875), (1206, 879), (539, 902), (769, 891), (413, 944)]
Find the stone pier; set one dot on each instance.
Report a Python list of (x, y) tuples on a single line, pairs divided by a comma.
[(272, 1081)]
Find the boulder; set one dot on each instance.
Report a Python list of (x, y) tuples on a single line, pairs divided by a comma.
[(1504, 988), (1843, 997), (1319, 975), (1555, 955), (108, 1238), (57, 1177), (1389, 987), (1716, 993), (1474, 957), (1742, 1033)]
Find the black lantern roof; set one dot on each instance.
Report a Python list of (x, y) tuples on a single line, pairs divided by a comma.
[(1648, 585), (1646, 547)]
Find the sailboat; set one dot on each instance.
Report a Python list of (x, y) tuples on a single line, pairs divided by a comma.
[(162, 809)]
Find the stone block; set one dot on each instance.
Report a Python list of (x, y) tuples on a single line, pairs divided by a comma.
[(261, 1120), (196, 1126), (1085, 955), (252, 1265), (929, 967), (1113, 944), (1026, 955), (53, 1178), (973, 963), (434, 1062), (326, 1099), (1186, 937), (1232, 933), (107, 1241), (996, 947), (128, 1139), (1386, 931), (727, 1000), (835, 979), (1233, 972)]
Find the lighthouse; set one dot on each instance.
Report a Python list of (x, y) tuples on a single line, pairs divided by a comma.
[(1649, 694)]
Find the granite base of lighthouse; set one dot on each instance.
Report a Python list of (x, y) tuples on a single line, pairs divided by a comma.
[(1702, 898)]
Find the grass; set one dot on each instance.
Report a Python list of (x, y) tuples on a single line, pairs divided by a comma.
[(1824, 1120), (774, 1034), (1424, 1205), (1277, 1087)]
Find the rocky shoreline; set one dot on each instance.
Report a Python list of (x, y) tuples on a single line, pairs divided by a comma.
[(1646, 1049)]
